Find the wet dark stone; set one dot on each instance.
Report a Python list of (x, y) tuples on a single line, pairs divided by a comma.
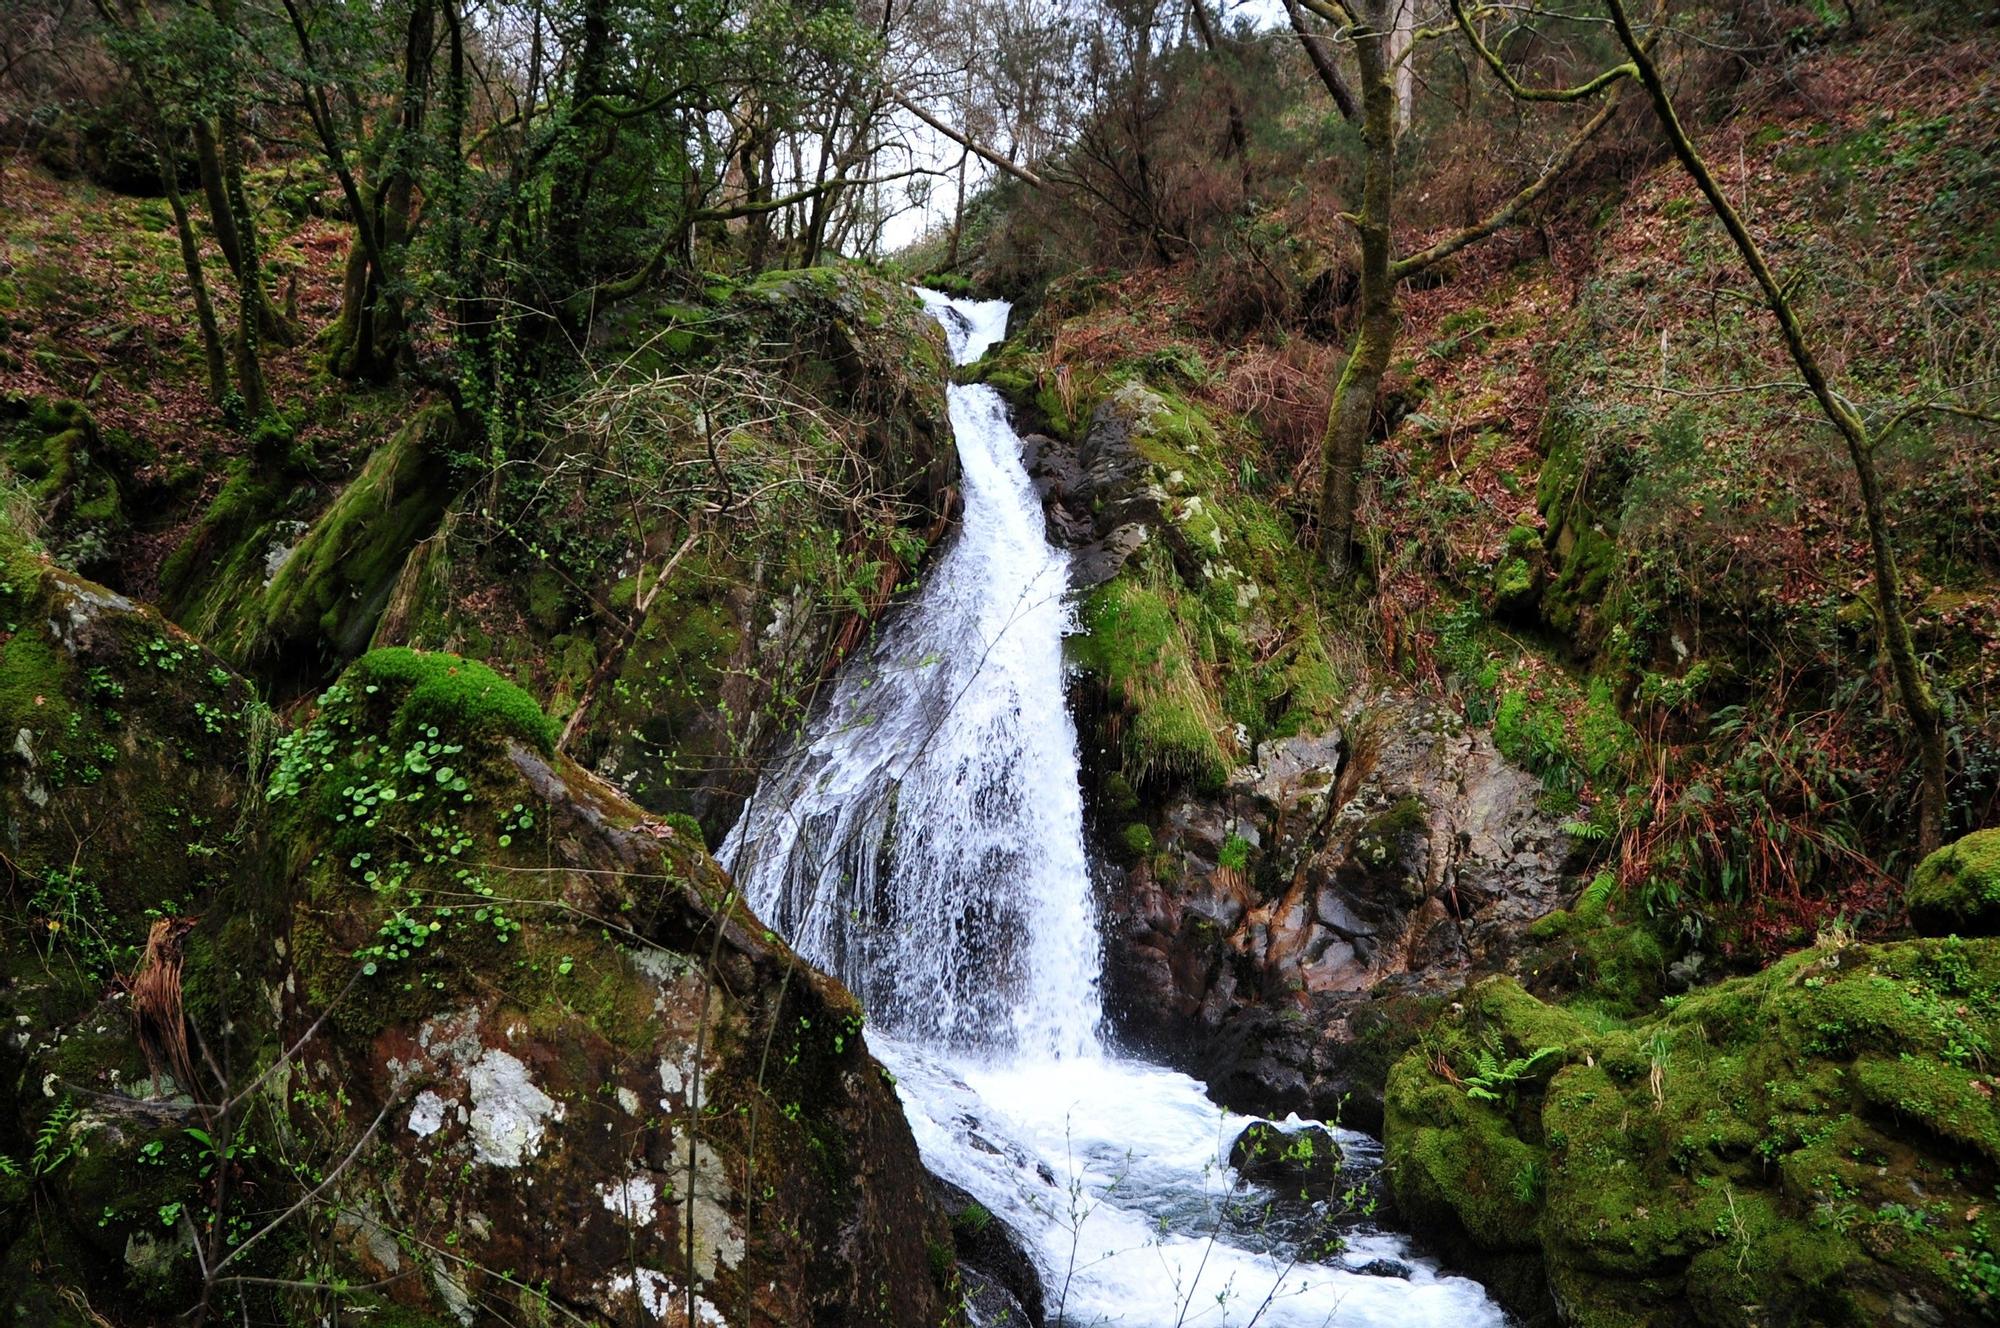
[(998, 1274), (1306, 1159)]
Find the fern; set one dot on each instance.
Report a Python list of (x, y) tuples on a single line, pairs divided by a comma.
[(1492, 1078), (1595, 900), (53, 1144)]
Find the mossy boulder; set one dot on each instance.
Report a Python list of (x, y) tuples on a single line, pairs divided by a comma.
[(560, 1002), (124, 754), (526, 1037), (1816, 1141), (1957, 888), (297, 600), (132, 815), (74, 473)]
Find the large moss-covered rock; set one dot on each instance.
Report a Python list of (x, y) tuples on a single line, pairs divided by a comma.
[(1957, 888), (130, 795), (74, 473), (1814, 1144), (513, 1047), (124, 756), (641, 1097)]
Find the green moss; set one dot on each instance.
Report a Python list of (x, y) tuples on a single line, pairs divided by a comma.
[(1807, 1136), (1957, 888), (1605, 743), (221, 562), (21, 571), (460, 697), (1587, 565), (1514, 584), (333, 587), (1454, 1160), (1137, 840), (547, 599), (34, 679), (687, 828), (1137, 646), (71, 472)]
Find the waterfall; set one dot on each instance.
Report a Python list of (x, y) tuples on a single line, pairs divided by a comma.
[(924, 842), (926, 845)]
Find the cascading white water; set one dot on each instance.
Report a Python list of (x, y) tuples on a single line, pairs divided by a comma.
[(925, 843)]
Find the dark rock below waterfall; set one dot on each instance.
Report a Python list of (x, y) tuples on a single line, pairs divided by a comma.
[(1000, 1281), (1397, 860), (1306, 1158)]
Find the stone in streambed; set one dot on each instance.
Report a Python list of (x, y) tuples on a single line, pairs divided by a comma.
[(1305, 1157)]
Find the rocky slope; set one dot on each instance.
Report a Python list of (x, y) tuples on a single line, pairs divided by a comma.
[(1262, 878), (395, 995)]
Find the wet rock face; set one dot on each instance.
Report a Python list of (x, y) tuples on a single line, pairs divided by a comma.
[(1412, 852), (1099, 498)]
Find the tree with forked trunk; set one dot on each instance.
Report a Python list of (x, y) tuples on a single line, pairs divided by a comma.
[(1383, 41)]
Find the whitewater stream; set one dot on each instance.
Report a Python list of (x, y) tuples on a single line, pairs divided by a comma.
[(925, 843)]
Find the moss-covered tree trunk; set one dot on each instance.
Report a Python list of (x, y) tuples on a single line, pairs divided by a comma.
[(271, 325), (1919, 705), (1368, 360), (211, 331), (249, 270)]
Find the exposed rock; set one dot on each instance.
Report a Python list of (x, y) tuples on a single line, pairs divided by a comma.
[(1302, 1158), (1100, 499), (1250, 912), (1420, 859)]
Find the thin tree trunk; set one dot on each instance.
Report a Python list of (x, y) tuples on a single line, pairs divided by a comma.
[(219, 211), (1321, 55), (271, 325), (211, 332), (1368, 361), (1919, 705), (249, 272), (1239, 135), (957, 215), (1402, 72)]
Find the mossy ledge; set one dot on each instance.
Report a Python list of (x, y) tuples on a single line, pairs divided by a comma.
[(1814, 1144)]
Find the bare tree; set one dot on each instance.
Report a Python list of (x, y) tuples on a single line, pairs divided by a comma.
[(1370, 28)]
